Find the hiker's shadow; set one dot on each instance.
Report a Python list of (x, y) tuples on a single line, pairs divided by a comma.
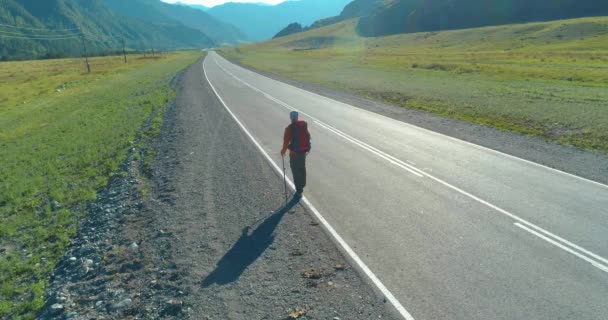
[(247, 249)]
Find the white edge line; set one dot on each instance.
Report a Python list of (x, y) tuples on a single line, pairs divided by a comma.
[(402, 164), (433, 132), (555, 243), (371, 150), (389, 296)]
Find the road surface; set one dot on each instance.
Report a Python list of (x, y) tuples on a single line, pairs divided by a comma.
[(446, 229)]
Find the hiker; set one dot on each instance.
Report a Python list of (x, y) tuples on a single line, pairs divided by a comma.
[(297, 140)]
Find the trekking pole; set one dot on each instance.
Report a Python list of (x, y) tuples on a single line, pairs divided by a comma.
[(285, 179)]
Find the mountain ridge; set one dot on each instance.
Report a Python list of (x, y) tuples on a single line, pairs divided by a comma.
[(354, 9), (195, 6)]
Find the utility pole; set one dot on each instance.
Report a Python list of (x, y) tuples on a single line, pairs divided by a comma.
[(84, 48), (124, 52), (153, 52)]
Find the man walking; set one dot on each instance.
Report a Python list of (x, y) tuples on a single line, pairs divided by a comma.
[(297, 140)]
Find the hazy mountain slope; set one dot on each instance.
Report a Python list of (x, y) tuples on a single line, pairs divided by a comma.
[(261, 22), (195, 6), (156, 11), (104, 29), (398, 16), (219, 31)]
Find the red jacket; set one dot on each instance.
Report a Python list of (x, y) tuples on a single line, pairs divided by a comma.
[(287, 137)]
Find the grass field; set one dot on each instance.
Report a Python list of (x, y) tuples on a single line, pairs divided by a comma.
[(547, 79), (63, 133)]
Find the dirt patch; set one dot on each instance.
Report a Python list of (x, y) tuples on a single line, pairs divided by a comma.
[(560, 132), (150, 58), (311, 43), (397, 98)]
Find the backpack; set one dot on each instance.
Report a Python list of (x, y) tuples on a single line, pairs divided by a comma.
[(300, 139)]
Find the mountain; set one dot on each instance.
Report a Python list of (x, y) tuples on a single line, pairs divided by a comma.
[(399, 16), (262, 22), (290, 29), (391, 17), (143, 24), (104, 30), (156, 11), (355, 9)]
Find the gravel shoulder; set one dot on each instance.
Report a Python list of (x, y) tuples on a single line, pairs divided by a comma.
[(203, 236), (584, 163)]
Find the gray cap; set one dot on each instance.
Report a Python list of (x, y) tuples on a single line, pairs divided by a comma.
[(294, 115)]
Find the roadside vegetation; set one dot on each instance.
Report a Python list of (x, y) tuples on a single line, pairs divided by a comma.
[(63, 133), (548, 79)]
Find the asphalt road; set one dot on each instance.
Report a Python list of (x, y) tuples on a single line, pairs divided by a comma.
[(448, 229)]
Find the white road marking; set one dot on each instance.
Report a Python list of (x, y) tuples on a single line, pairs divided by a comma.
[(370, 150), (346, 248), (555, 243), (436, 133), (385, 155)]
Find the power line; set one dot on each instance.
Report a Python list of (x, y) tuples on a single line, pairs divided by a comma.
[(65, 36), (10, 35), (102, 41), (71, 35), (96, 38), (39, 38), (39, 29), (39, 35)]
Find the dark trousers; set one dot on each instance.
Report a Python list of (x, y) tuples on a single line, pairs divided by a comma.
[(298, 169)]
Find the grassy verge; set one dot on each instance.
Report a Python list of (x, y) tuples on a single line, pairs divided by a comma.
[(63, 133), (547, 79)]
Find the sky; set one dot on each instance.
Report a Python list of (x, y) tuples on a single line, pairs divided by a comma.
[(211, 3)]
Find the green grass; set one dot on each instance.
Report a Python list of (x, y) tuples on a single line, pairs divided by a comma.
[(63, 133), (548, 79)]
